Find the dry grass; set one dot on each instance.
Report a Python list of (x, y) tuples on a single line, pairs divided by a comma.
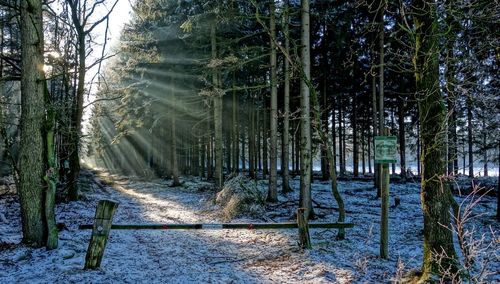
[(239, 197)]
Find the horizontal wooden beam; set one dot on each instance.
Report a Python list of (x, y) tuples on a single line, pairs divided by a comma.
[(260, 226)]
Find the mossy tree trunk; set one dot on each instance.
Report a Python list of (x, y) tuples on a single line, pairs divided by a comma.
[(435, 193)]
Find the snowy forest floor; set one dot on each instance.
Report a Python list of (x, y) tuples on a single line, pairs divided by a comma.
[(227, 256)]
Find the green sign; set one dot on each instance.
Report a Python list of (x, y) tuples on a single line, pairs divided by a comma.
[(386, 149)]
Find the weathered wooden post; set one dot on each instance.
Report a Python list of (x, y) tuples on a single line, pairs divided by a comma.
[(100, 232), (385, 153), (304, 238), (384, 224)]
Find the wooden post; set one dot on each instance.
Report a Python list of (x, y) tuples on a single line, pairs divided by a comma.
[(304, 239), (100, 231), (384, 222)]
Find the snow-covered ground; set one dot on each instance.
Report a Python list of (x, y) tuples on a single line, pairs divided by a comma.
[(225, 256)]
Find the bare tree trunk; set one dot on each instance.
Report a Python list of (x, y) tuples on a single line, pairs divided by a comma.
[(258, 132), (175, 166), (419, 151), (436, 195), (272, 194), (265, 135), (485, 148), (355, 146), (369, 153), (286, 108), (243, 149), (363, 161), (251, 142), (305, 119), (334, 136), (325, 174), (375, 125), (498, 185), (31, 163), (217, 113), (341, 139), (470, 137), (381, 126), (235, 127), (402, 139)]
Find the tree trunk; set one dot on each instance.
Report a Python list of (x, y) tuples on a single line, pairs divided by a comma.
[(485, 148), (210, 172), (217, 113), (375, 125), (258, 131), (203, 150), (334, 136), (243, 149), (369, 153), (381, 126), (175, 166), (305, 119), (286, 108), (363, 161), (393, 126), (498, 184), (31, 163), (402, 140), (74, 159), (272, 194), (419, 151), (51, 176), (355, 146), (325, 174), (251, 142), (341, 138), (436, 195), (265, 135), (469, 137), (235, 127)]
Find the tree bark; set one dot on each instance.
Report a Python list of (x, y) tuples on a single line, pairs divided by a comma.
[(402, 139), (470, 137), (217, 113), (341, 138), (305, 119), (375, 124), (355, 146), (31, 163), (272, 194), (251, 142), (235, 127), (175, 166), (286, 108), (498, 185), (381, 125), (436, 195)]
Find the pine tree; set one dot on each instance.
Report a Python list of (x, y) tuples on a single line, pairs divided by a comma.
[(439, 252), (31, 162)]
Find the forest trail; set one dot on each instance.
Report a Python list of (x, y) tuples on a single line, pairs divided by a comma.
[(242, 256), (219, 256)]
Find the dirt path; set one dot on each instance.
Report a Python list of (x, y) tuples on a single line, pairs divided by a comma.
[(243, 256)]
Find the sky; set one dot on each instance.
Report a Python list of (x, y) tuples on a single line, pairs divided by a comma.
[(119, 16)]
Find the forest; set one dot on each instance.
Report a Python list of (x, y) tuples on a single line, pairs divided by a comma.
[(259, 141)]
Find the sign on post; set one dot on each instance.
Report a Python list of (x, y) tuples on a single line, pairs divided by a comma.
[(386, 149)]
